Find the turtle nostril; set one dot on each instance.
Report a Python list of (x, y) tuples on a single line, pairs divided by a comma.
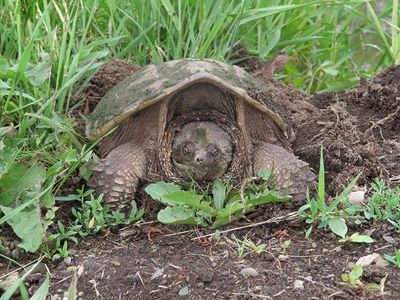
[(199, 159)]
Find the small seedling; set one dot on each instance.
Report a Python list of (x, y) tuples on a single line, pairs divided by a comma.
[(384, 204), (317, 212), (285, 247), (246, 246), (357, 238), (352, 279), (90, 218), (61, 252)]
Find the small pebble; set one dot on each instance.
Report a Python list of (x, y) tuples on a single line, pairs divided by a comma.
[(134, 278), (15, 253), (116, 263), (283, 257), (249, 272), (67, 260), (12, 246), (184, 291), (298, 284), (357, 197)]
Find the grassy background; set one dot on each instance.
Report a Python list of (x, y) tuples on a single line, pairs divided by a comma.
[(49, 50)]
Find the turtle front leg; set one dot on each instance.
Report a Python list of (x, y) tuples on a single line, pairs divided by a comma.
[(290, 175), (118, 175)]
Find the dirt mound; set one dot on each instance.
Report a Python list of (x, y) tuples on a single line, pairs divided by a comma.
[(358, 128), (105, 78)]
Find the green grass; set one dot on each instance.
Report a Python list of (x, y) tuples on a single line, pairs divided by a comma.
[(49, 50)]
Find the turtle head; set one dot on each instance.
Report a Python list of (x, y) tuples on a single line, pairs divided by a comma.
[(201, 150)]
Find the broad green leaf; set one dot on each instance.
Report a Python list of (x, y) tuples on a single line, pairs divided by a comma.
[(355, 273), (338, 226), (189, 199), (329, 68), (41, 72), (230, 209), (270, 197), (42, 291), (303, 208), (218, 223), (159, 189), (8, 154), (219, 194), (228, 214), (314, 207), (390, 258), (358, 238), (54, 169), (20, 178), (177, 215), (27, 225), (4, 85), (273, 39), (339, 84)]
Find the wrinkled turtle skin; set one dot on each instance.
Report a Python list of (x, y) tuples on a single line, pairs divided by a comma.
[(190, 119)]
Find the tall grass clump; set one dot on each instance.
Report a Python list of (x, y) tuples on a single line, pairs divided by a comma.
[(49, 49)]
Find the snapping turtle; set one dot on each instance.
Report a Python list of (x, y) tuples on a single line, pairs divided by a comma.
[(190, 119)]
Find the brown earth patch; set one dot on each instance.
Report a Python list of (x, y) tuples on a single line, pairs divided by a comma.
[(171, 264), (359, 130)]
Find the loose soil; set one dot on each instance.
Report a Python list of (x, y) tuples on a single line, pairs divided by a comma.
[(359, 130)]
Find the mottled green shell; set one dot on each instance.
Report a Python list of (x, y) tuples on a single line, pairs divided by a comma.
[(154, 82)]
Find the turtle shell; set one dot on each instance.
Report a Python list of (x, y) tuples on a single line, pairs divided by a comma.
[(154, 83)]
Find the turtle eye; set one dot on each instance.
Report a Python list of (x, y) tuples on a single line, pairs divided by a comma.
[(213, 150), (187, 148)]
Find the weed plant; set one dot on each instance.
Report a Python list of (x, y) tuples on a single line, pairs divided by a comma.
[(382, 205)]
